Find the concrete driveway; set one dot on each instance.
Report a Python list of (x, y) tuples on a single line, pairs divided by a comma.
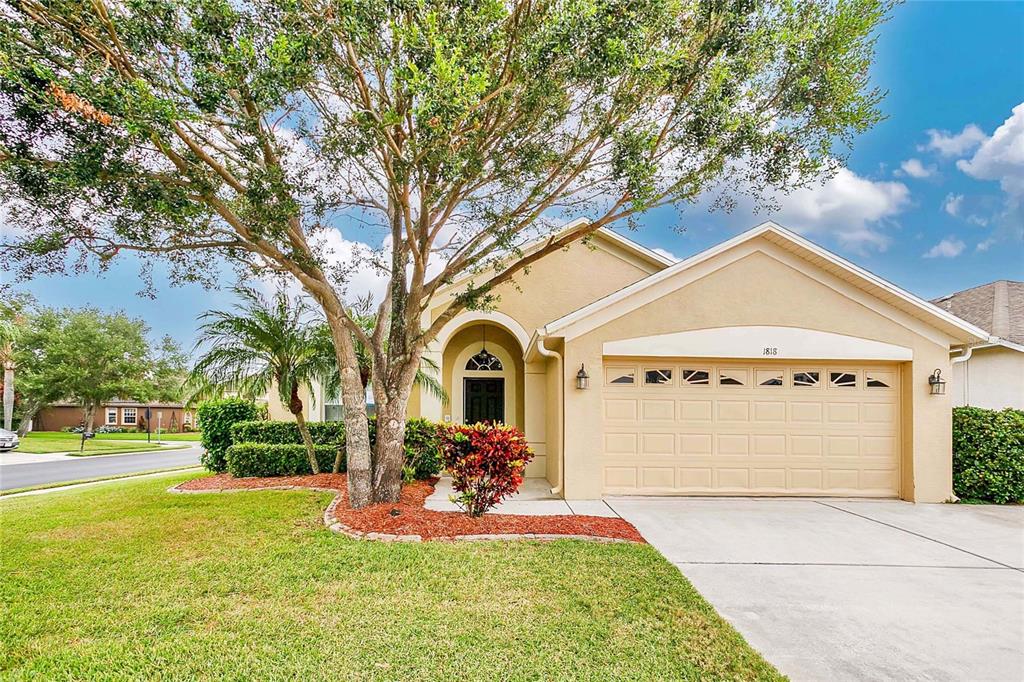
[(854, 590)]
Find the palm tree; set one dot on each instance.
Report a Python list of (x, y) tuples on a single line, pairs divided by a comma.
[(262, 343)]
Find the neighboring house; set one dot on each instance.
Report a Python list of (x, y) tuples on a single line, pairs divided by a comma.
[(990, 374), (765, 365), (126, 414)]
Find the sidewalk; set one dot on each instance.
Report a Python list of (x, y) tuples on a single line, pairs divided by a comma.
[(533, 499)]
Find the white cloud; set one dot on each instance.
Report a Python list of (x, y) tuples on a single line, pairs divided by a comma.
[(953, 144), (950, 247), (985, 245), (915, 169), (977, 220), (951, 204), (666, 253), (1001, 157), (852, 207)]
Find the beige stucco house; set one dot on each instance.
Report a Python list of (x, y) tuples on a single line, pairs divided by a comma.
[(763, 366), (991, 374)]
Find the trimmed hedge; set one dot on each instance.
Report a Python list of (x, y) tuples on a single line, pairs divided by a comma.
[(216, 417), (422, 442), (263, 459), (285, 433), (988, 454)]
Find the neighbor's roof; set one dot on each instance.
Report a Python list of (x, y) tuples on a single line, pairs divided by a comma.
[(620, 301), (997, 307)]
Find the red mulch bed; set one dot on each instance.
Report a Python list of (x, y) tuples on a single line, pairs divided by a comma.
[(413, 519)]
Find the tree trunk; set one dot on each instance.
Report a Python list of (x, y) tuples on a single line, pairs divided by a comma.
[(338, 459), (357, 432), (295, 407), (390, 450), (87, 423), (8, 395)]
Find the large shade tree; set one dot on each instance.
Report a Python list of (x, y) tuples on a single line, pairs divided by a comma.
[(456, 131)]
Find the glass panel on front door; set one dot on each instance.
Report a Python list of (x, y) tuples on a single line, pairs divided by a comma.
[(484, 400)]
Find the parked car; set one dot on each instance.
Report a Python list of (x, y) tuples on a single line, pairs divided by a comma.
[(8, 440)]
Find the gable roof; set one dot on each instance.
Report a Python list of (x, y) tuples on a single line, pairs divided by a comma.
[(997, 307), (621, 301), (655, 259)]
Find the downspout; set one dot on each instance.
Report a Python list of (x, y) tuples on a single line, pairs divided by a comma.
[(964, 357), (548, 353)]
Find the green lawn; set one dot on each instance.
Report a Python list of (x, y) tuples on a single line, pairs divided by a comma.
[(133, 435), (127, 581), (40, 442)]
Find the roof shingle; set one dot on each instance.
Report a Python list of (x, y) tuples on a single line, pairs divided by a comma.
[(997, 307)]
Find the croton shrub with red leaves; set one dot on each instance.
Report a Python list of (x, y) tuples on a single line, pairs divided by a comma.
[(486, 463)]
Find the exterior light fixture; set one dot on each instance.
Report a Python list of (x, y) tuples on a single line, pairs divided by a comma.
[(582, 379), (937, 383)]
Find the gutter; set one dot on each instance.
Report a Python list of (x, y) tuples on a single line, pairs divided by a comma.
[(548, 353)]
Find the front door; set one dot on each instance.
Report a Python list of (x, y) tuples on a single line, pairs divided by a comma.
[(485, 400)]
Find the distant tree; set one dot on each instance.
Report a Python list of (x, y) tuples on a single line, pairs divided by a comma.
[(262, 345), (459, 131), (14, 311), (168, 372), (89, 357)]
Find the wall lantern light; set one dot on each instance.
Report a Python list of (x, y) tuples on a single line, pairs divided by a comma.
[(937, 383), (582, 379)]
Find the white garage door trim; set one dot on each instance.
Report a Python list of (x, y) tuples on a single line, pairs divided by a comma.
[(759, 341), (693, 426)]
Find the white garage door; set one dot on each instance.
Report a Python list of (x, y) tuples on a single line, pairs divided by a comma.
[(684, 426)]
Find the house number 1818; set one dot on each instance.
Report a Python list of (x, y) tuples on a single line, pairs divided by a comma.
[(771, 350)]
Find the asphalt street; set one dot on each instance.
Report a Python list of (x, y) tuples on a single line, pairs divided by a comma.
[(42, 473)]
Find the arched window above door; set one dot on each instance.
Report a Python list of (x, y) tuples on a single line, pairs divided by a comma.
[(484, 361)]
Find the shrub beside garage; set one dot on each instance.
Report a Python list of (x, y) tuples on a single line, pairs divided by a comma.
[(988, 455)]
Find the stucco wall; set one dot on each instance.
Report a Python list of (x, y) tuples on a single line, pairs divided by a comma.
[(556, 285), (756, 288), (313, 409), (565, 281), (992, 378)]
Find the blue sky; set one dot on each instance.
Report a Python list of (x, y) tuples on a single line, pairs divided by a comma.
[(933, 198)]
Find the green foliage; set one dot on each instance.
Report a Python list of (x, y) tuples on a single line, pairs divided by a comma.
[(167, 372), (265, 459), (422, 448), (422, 442), (988, 455), (216, 418), (282, 432), (82, 355), (262, 344)]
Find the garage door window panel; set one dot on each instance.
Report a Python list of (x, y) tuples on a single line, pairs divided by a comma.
[(696, 377), (620, 376), (733, 377), (806, 379), (878, 379), (770, 378), (658, 377), (842, 379)]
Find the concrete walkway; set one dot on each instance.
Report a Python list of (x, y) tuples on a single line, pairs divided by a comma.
[(854, 590), (533, 499)]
